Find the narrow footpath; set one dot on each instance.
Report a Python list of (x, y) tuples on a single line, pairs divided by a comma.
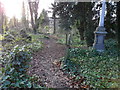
[(46, 64)]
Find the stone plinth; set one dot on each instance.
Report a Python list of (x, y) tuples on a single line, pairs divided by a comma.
[(99, 39)]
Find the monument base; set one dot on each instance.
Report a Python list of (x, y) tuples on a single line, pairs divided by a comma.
[(99, 39)]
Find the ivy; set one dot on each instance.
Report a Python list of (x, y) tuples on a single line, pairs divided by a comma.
[(99, 69), (15, 71)]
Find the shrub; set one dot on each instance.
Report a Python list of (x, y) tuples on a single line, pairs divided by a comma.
[(15, 71)]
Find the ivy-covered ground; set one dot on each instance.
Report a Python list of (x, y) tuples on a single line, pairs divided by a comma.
[(46, 61)]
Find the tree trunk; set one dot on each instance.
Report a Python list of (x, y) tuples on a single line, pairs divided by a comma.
[(81, 33), (118, 32), (32, 20), (34, 15), (54, 26), (118, 23), (66, 39), (54, 22)]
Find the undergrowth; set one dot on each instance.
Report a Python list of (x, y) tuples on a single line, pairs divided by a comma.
[(14, 72), (99, 69), (15, 62)]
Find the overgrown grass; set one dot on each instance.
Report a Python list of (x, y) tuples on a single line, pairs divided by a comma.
[(100, 70)]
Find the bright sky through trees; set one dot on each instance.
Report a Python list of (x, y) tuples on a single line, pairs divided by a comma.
[(14, 7)]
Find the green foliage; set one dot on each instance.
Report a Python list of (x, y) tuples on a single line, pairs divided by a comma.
[(35, 46), (43, 21), (18, 53), (8, 37), (75, 41), (111, 46), (99, 69), (61, 41), (89, 35), (36, 37), (15, 71), (63, 10), (1, 37), (118, 23), (71, 15)]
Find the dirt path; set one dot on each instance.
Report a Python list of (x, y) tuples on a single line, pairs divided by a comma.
[(46, 64)]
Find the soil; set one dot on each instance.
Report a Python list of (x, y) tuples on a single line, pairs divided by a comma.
[(46, 64)]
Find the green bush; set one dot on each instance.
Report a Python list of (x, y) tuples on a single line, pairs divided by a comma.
[(99, 69), (15, 71)]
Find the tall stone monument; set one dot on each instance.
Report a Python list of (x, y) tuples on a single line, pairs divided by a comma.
[(100, 31)]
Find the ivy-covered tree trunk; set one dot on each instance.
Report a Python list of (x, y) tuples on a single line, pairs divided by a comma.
[(81, 32), (118, 33), (89, 25), (118, 23), (81, 35), (108, 22)]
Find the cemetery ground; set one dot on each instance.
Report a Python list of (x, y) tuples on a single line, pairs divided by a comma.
[(63, 50), (49, 63)]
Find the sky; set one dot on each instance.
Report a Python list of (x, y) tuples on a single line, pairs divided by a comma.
[(14, 7)]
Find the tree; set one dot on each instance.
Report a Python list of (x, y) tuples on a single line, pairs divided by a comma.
[(110, 22), (54, 16), (89, 25), (118, 23), (33, 6), (24, 19), (43, 20), (63, 11), (5, 23), (80, 14), (1, 17)]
